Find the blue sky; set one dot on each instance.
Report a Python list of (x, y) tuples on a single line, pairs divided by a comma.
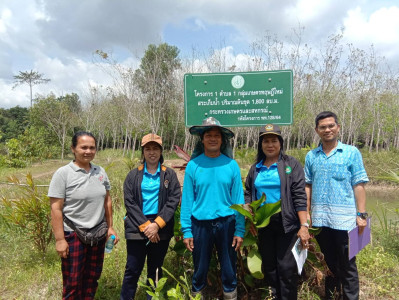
[(195, 33), (58, 38)]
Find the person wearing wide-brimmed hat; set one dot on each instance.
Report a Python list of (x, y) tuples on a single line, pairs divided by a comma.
[(279, 177), (212, 183), (152, 193)]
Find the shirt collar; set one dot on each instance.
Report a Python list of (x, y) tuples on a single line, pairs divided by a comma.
[(339, 147), (156, 173), (76, 168), (260, 164)]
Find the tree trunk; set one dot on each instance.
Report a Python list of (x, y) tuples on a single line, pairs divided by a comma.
[(63, 142), (134, 145)]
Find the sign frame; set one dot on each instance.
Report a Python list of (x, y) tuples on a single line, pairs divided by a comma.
[(201, 94)]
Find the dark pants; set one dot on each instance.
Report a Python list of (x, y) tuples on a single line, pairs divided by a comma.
[(81, 269), (219, 232), (137, 251), (334, 245), (278, 262)]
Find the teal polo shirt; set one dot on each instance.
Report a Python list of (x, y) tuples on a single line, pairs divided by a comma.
[(150, 190), (268, 182)]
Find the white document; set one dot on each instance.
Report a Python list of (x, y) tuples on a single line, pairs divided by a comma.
[(300, 255)]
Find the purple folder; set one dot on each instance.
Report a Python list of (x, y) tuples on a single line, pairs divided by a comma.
[(358, 242)]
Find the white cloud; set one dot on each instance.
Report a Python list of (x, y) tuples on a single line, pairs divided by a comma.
[(380, 28), (308, 10), (10, 98), (57, 37), (4, 20)]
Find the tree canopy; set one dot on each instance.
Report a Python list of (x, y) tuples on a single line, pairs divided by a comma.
[(360, 87), (31, 78)]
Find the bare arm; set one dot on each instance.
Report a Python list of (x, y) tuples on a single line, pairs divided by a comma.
[(303, 232), (360, 196), (308, 190), (108, 217), (57, 222)]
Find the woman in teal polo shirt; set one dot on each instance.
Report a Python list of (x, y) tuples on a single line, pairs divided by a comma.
[(279, 176), (152, 193)]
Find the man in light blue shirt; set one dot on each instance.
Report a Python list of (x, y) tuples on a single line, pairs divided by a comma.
[(335, 178), (212, 183)]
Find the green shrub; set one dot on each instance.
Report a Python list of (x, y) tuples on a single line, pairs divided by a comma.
[(29, 212), (379, 269)]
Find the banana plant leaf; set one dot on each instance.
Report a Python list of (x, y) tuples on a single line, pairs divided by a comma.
[(240, 208), (254, 262), (249, 239), (181, 249), (257, 203), (263, 214)]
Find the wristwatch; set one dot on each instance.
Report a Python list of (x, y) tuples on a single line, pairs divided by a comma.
[(362, 215), (305, 224)]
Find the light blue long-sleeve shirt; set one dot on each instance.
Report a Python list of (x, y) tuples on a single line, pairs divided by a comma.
[(211, 186)]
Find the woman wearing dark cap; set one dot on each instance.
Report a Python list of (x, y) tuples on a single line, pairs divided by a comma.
[(279, 176), (152, 193)]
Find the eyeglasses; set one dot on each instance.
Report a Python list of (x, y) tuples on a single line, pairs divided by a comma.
[(329, 126)]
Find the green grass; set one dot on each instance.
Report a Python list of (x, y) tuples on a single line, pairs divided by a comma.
[(25, 273)]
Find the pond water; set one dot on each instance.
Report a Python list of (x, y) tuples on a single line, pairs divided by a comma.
[(383, 200)]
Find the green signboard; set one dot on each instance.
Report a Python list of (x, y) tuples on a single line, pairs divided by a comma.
[(239, 99)]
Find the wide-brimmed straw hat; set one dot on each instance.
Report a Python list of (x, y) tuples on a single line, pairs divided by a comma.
[(151, 137), (209, 123)]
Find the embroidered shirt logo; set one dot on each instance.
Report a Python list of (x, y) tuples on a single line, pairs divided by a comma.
[(101, 178), (166, 183)]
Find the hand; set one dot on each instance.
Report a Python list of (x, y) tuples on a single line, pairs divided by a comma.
[(362, 223), (303, 234), (155, 238), (111, 231), (237, 242), (189, 243), (62, 248), (252, 230), (151, 230)]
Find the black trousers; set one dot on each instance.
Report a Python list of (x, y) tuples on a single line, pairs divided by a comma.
[(278, 262), (137, 251), (334, 245)]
